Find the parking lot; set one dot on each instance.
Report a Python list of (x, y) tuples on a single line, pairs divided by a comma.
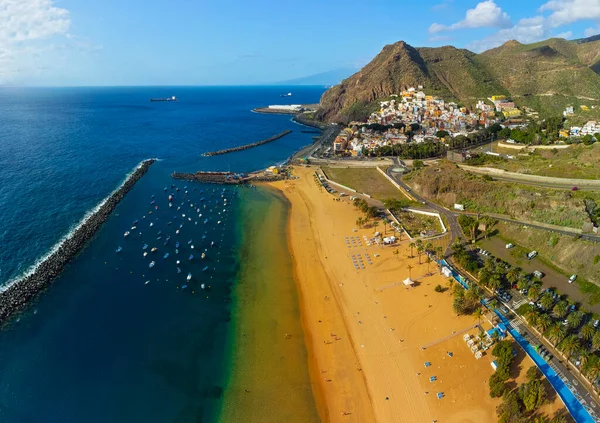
[(551, 278)]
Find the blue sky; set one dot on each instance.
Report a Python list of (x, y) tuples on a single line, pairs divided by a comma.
[(201, 42)]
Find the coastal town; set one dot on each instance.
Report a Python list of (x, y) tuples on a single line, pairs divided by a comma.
[(414, 117)]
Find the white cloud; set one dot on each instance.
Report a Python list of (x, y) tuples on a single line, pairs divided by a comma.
[(27, 30), (24, 20), (591, 31), (566, 35), (485, 14), (564, 12), (526, 31)]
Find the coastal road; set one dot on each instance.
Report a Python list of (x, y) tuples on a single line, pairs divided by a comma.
[(534, 180), (588, 237)]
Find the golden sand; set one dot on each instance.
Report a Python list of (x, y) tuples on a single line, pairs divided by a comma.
[(365, 330)]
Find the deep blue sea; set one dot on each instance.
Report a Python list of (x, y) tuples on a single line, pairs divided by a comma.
[(112, 339)]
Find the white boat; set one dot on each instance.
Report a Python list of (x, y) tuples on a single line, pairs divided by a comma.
[(203, 255), (126, 234), (154, 249), (145, 253), (189, 276), (151, 264), (202, 285)]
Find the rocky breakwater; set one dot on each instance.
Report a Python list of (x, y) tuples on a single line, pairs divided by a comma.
[(228, 177), (20, 291), (247, 146)]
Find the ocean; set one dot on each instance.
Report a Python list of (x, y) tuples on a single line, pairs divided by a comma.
[(114, 339)]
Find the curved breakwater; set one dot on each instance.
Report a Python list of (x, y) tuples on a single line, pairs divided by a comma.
[(247, 146), (16, 293)]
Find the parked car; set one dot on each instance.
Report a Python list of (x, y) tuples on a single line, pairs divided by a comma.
[(532, 255), (572, 278), (596, 324), (575, 189), (538, 274)]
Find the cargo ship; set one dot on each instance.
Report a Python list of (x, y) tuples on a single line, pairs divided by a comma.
[(164, 99)]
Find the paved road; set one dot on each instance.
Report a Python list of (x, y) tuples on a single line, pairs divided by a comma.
[(588, 237), (451, 218)]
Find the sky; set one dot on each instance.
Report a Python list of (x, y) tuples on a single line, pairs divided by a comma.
[(237, 42)]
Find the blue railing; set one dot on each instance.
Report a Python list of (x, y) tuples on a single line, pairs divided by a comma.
[(575, 407)]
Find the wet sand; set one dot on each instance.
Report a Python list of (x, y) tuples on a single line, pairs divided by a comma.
[(268, 377), (365, 330)]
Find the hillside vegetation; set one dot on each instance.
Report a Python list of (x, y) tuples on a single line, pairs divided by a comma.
[(447, 184), (547, 75), (579, 161)]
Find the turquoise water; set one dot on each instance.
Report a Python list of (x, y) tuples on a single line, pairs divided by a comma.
[(100, 344)]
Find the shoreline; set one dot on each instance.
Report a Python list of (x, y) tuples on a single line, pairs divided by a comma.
[(368, 335), (267, 377), (17, 293)]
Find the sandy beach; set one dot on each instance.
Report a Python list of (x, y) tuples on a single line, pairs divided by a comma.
[(368, 336)]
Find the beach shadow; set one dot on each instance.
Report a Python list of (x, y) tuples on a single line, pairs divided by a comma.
[(517, 365)]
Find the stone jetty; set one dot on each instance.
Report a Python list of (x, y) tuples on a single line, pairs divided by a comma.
[(247, 146), (228, 178), (16, 296)]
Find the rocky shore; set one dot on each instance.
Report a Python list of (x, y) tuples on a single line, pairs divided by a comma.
[(247, 146), (16, 296)]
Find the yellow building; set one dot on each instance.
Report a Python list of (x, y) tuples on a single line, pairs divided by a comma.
[(563, 133), (498, 97), (584, 107), (510, 113)]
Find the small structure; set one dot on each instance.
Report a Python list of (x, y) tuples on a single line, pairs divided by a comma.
[(408, 282), (494, 365)]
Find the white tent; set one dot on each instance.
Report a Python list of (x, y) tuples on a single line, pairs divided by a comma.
[(408, 281)]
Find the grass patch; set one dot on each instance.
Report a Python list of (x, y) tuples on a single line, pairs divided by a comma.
[(365, 180), (416, 223), (592, 290)]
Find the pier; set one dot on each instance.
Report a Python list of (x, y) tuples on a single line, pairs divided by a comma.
[(21, 291), (247, 146)]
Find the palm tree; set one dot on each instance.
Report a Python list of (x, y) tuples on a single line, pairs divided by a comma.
[(540, 419), (591, 369), (547, 300), (478, 313), (596, 340), (569, 346), (543, 322), (495, 281), (420, 251), (555, 333), (397, 253), (375, 224), (428, 261), (513, 275), (522, 284), (587, 332), (359, 222), (412, 245), (561, 309), (385, 223), (484, 276), (410, 268), (439, 251), (574, 319), (532, 316), (533, 293), (429, 247)]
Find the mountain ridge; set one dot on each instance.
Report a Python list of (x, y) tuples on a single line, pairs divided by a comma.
[(532, 74)]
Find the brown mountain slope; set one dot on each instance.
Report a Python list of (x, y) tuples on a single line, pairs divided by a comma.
[(533, 74)]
